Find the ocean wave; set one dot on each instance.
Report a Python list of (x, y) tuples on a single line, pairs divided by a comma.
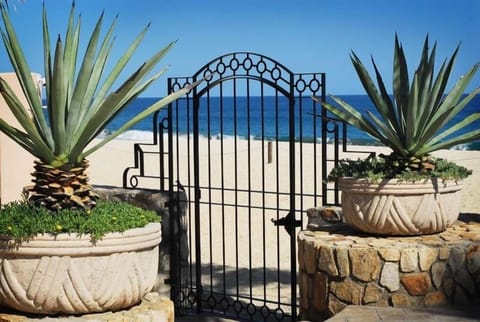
[(131, 135), (143, 135), (472, 146)]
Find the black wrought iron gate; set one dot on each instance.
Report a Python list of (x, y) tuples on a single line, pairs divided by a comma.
[(248, 146)]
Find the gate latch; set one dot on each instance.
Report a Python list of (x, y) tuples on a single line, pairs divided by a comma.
[(289, 222)]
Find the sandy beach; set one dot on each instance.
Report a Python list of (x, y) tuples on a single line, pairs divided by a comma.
[(108, 164), (244, 236)]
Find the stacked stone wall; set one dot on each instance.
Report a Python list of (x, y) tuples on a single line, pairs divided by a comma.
[(339, 266)]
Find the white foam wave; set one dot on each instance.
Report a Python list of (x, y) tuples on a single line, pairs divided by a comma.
[(132, 135)]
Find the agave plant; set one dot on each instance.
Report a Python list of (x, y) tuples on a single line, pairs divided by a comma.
[(412, 121), (80, 103)]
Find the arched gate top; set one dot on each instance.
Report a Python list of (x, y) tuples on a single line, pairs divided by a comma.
[(242, 65)]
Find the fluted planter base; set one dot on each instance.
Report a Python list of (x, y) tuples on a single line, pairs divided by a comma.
[(66, 274), (394, 207)]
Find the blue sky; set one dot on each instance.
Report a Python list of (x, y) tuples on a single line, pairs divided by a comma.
[(304, 35)]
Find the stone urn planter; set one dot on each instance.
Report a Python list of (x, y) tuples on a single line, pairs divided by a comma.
[(67, 274), (394, 207)]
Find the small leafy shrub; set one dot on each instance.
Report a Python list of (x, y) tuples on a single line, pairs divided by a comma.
[(378, 168), (22, 220)]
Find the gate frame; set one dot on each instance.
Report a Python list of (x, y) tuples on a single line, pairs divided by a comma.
[(290, 222), (329, 126)]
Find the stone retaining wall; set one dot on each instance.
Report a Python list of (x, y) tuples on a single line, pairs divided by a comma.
[(339, 266)]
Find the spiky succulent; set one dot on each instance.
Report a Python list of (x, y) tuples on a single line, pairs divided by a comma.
[(80, 103), (412, 121)]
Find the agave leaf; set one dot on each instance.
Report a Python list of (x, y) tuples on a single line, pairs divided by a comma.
[(426, 65), (88, 78), (451, 106), (411, 126), (457, 92), (114, 103), (21, 138), (24, 119), (412, 111), (417, 108), (400, 81), (425, 78), (446, 132), (58, 100), (348, 114), (367, 82), (24, 75), (71, 50), (47, 58), (139, 117), (99, 103), (387, 110), (461, 139), (445, 78), (434, 99), (38, 147), (78, 99), (464, 123), (388, 134), (118, 68)]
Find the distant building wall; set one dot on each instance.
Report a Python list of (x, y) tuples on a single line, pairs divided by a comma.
[(16, 165)]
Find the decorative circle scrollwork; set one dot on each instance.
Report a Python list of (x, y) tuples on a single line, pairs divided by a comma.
[(237, 306), (133, 181), (186, 85), (331, 126), (234, 64), (251, 308), (192, 298), (224, 303), (276, 73), (208, 74), (220, 68), (314, 85), (164, 123), (247, 63), (261, 67), (265, 311), (300, 85), (212, 302), (279, 314), (176, 86)]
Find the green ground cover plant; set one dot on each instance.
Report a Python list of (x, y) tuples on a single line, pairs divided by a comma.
[(22, 220)]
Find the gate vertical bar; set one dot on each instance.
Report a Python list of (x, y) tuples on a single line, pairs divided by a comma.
[(197, 196), (174, 278), (324, 146), (293, 246)]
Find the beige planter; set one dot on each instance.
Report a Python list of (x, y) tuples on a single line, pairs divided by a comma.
[(68, 274), (394, 207)]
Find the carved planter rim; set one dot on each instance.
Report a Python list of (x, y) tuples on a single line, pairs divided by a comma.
[(394, 186), (400, 207), (65, 244)]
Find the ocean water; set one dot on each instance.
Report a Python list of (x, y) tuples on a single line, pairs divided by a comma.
[(252, 113)]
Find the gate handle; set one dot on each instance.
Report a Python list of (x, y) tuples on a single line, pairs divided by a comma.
[(288, 222)]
